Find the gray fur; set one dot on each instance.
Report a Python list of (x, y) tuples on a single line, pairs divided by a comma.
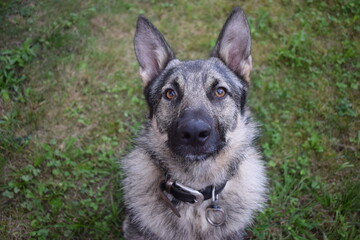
[(230, 155)]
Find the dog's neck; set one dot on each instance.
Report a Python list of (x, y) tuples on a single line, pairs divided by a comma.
[(186, 194)]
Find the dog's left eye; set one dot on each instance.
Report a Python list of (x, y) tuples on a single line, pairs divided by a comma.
[(170, 94), (220, 92)]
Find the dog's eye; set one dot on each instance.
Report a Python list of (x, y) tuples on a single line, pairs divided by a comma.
[(220, 92), (170, 94)]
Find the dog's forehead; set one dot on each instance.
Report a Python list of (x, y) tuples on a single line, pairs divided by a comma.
[(194, 73)]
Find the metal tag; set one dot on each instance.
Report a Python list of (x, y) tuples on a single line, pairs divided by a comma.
[(215, 215)]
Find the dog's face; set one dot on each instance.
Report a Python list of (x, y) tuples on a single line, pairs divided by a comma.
[(195, 103)]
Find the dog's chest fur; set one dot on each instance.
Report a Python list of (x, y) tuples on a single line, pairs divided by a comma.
[(243, 195)]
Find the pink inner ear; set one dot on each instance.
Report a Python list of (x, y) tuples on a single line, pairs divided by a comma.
[(154, 67), (233, 60)]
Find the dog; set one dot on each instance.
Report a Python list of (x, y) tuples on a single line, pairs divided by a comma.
[(195, 172)]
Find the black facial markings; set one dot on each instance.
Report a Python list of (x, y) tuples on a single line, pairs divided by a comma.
[(204, 77), (215, 83), (243, 101), (176, 84), (151, 99), (222, 135)]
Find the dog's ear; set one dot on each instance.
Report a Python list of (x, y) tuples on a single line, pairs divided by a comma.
[(233, 45), (151, 50)]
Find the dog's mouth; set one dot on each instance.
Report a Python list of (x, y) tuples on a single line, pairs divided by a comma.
[(194, 153)]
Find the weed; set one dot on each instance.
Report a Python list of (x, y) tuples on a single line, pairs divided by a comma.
[(11, 63), (295, 52), (49, 198)]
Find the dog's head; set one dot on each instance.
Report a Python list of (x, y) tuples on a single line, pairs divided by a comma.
[(196, 103)]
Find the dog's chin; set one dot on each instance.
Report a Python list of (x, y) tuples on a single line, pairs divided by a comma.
[(195, 154), (196, 157)]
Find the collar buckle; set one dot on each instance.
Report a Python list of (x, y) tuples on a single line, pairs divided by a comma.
[(199, 197)]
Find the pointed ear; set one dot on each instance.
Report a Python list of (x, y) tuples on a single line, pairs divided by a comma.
[(151, 50), (233, 45)]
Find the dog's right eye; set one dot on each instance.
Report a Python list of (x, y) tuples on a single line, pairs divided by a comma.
[(170, 94), (220, 92)]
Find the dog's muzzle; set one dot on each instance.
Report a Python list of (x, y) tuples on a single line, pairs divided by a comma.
[(193, 136)]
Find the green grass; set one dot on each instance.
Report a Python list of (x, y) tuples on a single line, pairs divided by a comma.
[(71, 102)]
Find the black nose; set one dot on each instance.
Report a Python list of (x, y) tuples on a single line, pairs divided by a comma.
[(194, 132)]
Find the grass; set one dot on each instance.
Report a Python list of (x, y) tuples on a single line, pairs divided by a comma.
[(71, 102)]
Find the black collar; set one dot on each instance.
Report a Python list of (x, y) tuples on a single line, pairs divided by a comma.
[(186, 194)]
